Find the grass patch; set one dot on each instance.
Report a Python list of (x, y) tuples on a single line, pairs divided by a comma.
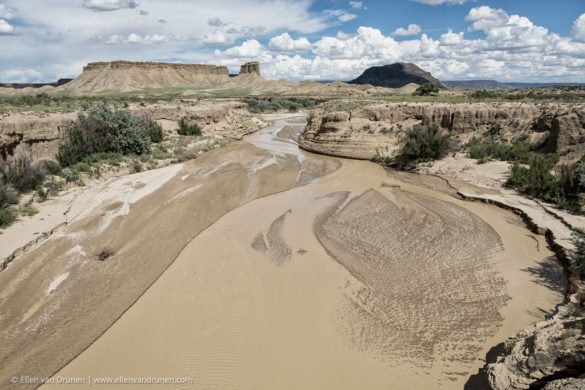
[(29, 210), (187, 127)]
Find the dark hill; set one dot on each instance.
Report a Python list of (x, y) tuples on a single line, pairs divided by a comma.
[(396, 76)]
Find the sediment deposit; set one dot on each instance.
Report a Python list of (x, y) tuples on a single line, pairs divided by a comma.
[(367, 131)]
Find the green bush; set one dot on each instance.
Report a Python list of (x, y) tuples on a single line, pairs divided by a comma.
[(278, 104), (104, 130), (539, 180), (484, 94), (483, 150), (424, 142), (153, 129), (577, 257), (426, 90), (22, 174), (29, 210), (51, 167), (7, 217), (188, 128)]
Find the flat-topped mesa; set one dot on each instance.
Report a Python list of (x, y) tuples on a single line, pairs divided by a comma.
[(250, 68), (202, 69)]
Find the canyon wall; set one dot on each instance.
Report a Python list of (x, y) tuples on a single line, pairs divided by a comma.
[(376, 130), (38, 135)]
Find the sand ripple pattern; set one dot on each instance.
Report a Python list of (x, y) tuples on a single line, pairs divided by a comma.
[(424, 288), (272, 242)]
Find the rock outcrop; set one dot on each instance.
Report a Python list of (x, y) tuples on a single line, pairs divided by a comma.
[(38, 135), (566, 384), (544, 352), (34, 135), (376, 130), (396, 76), (122, 76), (250, 68)]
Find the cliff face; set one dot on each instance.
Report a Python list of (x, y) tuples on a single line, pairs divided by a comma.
[(250, 67), (128, 65), (39, 135), (367, 131), (123, 76), (32, 135)]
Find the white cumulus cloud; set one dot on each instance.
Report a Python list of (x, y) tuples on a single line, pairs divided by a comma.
[(248, 49), (109, 5), (412, 29), (6, 12), (285, 43), (578, 31), (357, 5), (6, 28), (440, 2)]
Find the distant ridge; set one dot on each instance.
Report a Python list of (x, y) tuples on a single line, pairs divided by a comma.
[(35, 85), (396, 76), (495, 85)]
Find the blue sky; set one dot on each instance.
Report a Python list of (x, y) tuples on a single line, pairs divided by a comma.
[(521, 40)]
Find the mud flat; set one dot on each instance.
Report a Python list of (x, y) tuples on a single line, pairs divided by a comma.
[(357, 279)]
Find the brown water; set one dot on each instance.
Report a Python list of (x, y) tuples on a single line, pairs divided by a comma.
[(354, 280)]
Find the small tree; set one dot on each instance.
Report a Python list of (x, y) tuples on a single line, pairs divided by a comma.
[(427, 89)]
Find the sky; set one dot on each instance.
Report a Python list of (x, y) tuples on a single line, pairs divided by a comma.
[(505, 40)]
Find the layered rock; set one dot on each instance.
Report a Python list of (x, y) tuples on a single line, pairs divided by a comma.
[(202, 69), (544, 352), (34, 135), (367, 131), (250, 68), (39, 135), (123, 76)]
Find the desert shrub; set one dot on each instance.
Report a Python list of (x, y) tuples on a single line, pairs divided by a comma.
[(7, 217), (426, 90), (51, 167), (483, 150), (8, 195), (538, 179), (153, 129), (577, 256), (484, 94), (424, 142), (104, 130), (278, 104), (70, 175), (29, 210), (187, 127), (22, 174)]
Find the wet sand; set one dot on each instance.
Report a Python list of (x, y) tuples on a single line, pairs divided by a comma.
[(58, 298), (355, 280)]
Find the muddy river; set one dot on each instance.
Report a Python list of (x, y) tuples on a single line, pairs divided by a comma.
[(353, 278)]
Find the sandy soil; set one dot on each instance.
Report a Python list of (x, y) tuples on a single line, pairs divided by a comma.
[(485, 181), (358, 279)]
